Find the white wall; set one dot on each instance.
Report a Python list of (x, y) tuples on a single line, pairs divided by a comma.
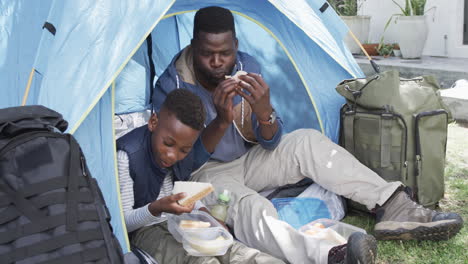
[(444, 20)]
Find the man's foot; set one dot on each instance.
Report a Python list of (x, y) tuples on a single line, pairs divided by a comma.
[(361, 248), (400, 218)]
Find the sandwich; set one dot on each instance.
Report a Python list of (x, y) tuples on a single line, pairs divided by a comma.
[(195, 191)]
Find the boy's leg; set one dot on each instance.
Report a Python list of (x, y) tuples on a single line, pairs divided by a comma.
[(255, 220), (241, 254), (308, 153), (161, 245)]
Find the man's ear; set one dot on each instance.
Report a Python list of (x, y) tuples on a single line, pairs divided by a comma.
[(153, 122), (236, 43)]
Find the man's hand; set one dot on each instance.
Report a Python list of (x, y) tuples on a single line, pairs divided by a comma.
[(259, 97), (223, 101), (169, 204)]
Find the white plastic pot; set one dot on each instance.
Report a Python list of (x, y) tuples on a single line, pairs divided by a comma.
[(412, 35), (359, 25)]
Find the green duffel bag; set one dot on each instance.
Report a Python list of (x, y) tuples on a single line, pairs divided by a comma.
[(398, 128)]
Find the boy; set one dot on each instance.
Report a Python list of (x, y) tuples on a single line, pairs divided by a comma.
[(150, 159)]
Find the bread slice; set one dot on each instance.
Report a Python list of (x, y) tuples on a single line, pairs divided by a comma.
[(189, 224), (236, 76), (195, 191)]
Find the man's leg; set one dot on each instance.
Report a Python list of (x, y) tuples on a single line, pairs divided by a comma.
[(307, 153), (255, 220)]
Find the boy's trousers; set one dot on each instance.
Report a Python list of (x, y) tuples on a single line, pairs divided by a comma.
[(162, 246)]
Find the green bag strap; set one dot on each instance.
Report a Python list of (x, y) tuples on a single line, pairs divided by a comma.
[(386, 138), (348, 130)]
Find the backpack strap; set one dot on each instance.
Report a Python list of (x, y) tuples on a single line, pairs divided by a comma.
[(73, 191), (348, 130), (386, 138)]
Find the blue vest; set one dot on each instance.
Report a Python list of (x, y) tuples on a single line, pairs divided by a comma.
[(147, 176)]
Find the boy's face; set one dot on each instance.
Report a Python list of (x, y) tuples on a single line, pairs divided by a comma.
[(171, 140)]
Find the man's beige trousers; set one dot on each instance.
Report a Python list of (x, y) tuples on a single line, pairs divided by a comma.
[(302, 153)]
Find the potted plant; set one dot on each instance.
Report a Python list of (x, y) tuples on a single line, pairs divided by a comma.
[(396, 50), (412, 28), (359, 25), (385, 50), (371, 48)]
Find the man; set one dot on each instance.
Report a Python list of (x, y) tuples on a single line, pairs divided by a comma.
[(150, 159), (245, 169)]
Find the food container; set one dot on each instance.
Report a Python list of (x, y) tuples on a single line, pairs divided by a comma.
[(207, 241), (343, 229)]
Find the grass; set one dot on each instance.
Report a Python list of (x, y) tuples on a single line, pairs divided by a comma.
[(455, 250)]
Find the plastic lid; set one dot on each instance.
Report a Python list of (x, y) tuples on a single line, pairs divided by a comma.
[(224, 196)]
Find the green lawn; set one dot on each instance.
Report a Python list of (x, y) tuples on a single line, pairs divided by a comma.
[(453, 251)]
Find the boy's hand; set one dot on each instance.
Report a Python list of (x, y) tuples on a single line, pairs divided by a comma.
[(169, 204)]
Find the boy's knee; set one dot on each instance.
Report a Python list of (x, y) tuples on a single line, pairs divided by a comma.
[(255, 205)]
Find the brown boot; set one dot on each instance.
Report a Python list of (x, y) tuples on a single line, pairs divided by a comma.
[(400, 218)]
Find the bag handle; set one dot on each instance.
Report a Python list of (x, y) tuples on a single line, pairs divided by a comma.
[(20, 119)]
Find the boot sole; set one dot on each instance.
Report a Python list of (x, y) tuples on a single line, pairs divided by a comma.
[(364, 252), (435, 231)]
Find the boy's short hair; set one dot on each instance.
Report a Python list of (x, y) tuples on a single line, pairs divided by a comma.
[(187, 107), (213, 19)]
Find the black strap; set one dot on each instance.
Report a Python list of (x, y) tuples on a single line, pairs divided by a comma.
[(104, 217), (41, 201), (87, 255), (72, 190), (44, 225), (22, 204), (324, 7), (51, 244), (149, 43), (51, 28), (49, 185)]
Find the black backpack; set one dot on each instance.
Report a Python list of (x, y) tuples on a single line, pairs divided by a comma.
[(51, 209)]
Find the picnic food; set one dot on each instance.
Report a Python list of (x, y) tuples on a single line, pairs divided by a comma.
[(236, 76), (208, 247), (195, 191), (313, 231), (194, 224)]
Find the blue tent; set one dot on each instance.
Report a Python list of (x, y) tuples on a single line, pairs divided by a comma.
[(89, 60)]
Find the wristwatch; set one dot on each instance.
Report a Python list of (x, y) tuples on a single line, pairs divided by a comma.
[(270, 121)]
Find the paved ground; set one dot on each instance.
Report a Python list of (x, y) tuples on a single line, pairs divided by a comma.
[(446, 70)]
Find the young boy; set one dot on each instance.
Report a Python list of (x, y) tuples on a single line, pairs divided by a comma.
[(150, 159)]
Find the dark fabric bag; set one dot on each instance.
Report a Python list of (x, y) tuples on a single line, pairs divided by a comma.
[(51, 209)]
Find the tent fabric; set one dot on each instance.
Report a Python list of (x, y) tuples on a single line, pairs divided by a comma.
[(100, 43)]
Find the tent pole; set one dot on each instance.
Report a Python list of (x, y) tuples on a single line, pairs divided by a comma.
[(28, 86), (372, 62)]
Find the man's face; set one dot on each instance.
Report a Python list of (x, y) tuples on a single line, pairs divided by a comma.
[(171, 140), (214, 56)]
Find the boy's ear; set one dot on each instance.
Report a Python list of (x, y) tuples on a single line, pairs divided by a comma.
[(153, 122)]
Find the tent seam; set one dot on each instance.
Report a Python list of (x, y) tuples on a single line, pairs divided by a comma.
[(116, 171), (329, 54), (108, 84)]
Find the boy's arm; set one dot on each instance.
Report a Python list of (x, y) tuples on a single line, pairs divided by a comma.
[(134, 218)]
